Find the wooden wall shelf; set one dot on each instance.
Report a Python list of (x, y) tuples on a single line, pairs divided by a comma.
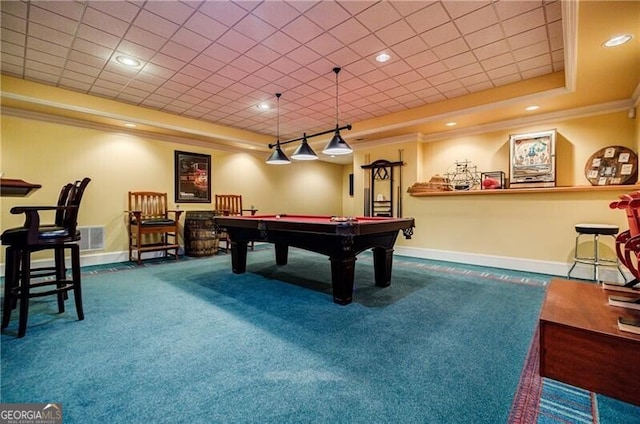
[(572, 189)]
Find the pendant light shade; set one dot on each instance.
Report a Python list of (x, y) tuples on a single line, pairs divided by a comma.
[(337, 145), (278, 157), (304, 151)]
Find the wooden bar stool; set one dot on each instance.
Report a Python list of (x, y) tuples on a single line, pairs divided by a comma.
[(595, 260)]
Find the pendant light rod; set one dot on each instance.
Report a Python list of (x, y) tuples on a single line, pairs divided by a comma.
[(346, 127)]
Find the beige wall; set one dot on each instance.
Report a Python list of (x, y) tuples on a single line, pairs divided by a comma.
[(53, 154), (529, 227)]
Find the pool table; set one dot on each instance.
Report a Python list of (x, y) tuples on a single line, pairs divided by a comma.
[(340, 238)]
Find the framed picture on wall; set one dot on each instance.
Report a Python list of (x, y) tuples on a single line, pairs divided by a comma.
[(533, 159), (192, 177)]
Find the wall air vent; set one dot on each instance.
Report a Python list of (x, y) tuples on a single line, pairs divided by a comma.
[(92, 238)]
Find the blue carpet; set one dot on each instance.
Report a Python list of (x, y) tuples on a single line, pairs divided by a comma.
[(189, 341)]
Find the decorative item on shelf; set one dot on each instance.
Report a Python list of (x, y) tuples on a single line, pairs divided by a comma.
[(463, 176), (533, 159), (492, 180), (612, 165), (436, 183)]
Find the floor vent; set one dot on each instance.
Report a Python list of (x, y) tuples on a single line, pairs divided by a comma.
[(92, 238)]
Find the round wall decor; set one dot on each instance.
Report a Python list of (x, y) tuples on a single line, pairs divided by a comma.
[(612, 165)]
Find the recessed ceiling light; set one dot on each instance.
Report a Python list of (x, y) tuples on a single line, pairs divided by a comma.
[(617, 40), (532, 107), (451, 124), (263, 106), (383, 57), (128, 61)]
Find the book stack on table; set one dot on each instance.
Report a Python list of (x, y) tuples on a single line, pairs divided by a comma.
[(630, 324)]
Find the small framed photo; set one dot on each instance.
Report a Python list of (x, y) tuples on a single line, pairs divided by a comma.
[(493, 180), (192, 177)]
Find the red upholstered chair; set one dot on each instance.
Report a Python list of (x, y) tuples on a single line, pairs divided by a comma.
[(60, 236), (151, 225)]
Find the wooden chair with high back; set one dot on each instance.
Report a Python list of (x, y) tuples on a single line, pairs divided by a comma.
[(152, 226), (227, 204), (22, 281)]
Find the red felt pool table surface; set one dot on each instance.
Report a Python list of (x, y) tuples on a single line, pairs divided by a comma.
[(340, 238)]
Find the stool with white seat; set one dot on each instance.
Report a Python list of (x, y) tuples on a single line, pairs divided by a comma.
[(595, 230)]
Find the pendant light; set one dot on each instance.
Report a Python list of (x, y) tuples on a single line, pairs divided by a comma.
[(337, 145), (304, 151), (278, 157)]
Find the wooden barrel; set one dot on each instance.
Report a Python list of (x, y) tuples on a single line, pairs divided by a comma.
[(200, 238)]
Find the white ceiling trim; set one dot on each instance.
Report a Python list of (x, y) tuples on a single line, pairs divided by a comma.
[(124, 118)]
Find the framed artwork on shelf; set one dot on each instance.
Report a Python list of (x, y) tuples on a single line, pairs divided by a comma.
[(192, 177), (532, 159)]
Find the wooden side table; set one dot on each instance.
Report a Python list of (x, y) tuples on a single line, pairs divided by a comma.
[(580, 343)]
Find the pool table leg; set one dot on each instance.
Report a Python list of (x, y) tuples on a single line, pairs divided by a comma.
[(282, 253), (382, 261), (342, 272), (238, 256)]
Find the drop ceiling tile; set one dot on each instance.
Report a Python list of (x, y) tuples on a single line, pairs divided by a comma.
[(440, 35), (442, 78), (12, 49), (96, 36), (492, 50), (14, 8), (467, 70), (413, 45), (168, 62), (125, 11), (369, 45), (50, 35), (553, 11), (509, 9), (497, 61), (477, 20), (37, 74), (178, 51), (509, 79), (144, 38), (408, 77), (254, 28), (67, 9), (69, 75), (524, 22), (327, 14), (484, 36), (428, 18), (281, 43), (531, 51), (173, 11), (12, 69), (92, 49), (232, 73), (378, 16), (52, 20), (421, 59), (460, 8), (14, 23), (113, 78), (481, 86), (158, 71), (395, 68), (104, 22), (206, 26), (225, 12), (528, 38), (503, 71), (432, 69), (9, 59), (325, 44), (41, 56), (85, 59), (536, 72), (460, 60), (190, 39), (395, 33), (235, 41), (302, 29), (349, 31), (474, 80), (74, 85), (451, 48), (535, 62), (155, 24)]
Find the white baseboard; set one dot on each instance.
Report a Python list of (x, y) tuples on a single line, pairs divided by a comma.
[(581, 271)]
